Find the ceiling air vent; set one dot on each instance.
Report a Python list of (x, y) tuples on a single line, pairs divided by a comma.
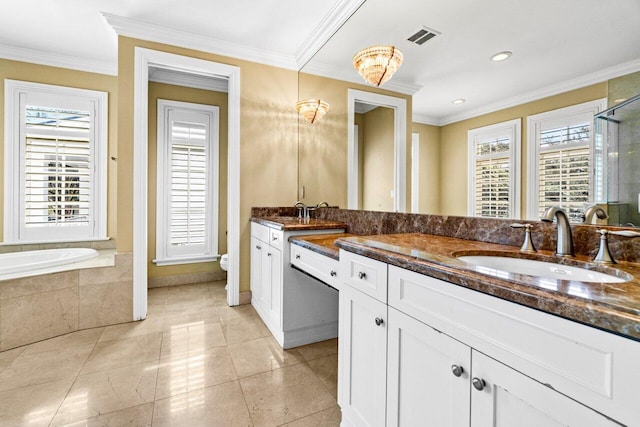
[(423, 35)]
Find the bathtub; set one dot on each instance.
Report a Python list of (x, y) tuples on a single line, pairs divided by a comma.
[(16, 262)]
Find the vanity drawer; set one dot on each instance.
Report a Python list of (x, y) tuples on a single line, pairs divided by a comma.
[(260, 232), (317, 265), (275, 238), (364, 274), (596, 368)]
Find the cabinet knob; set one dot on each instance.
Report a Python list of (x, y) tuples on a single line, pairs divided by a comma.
[(333, 273), (457, 370), (297, 256), (258, 247), (269, 254), (379, 321), (274, 238), (478, 383), (362, 275)]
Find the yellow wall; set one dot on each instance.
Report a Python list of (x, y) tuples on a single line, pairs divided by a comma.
[(268, 139), (323, 145), (429, 168), (29, 72), (378, 149), (197, 96), (453, 144)]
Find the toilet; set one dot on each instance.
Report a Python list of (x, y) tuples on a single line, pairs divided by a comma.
[(224, 264)]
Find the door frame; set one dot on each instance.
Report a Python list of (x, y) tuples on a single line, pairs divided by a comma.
[(143, 59), (399, 106)]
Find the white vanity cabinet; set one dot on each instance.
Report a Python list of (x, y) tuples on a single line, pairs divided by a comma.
[(295, 307), (457, 357)]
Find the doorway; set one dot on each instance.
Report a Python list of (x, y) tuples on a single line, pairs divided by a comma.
[(145, 58)]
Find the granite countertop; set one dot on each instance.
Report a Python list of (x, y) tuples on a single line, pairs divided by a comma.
[(292, 223), (613, 307), (323, 244)]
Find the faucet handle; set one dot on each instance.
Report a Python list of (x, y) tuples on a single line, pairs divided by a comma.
[(527, 245), (516, 225), (624, 233), (604, 256)]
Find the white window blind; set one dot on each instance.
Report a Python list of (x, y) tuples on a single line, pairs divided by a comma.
[(562, 158), (55, 163), (187, 198), (493, 170), (57, 167)]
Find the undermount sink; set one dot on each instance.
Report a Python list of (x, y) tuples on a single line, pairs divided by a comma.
[(493, 264)]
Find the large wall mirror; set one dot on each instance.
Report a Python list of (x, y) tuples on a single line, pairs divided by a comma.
[(451, 62)]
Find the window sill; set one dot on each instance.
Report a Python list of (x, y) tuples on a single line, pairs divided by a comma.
[(185, 260)]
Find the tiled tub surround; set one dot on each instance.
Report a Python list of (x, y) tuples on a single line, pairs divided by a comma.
[(47, 305)]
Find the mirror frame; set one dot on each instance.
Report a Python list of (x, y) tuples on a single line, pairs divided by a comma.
[(399, 106)]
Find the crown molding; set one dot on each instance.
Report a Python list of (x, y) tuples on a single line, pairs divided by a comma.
[(330, 24), (52, 59), (555, 89), (426, 119), (145, 31), (196, 81), (339, 73)]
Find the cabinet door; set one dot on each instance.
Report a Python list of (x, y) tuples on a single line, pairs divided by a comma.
[(273, 289), (362, 359), (509, 398), (257, 275), (428, 375)]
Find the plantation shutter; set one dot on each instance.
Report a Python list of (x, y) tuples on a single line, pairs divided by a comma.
[(493, 178), (57, 167), (565, 168), (188, 193)]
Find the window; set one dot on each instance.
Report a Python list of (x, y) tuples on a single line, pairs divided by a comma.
[(187, 199), (494, 171), (55, 163), (566, 160)]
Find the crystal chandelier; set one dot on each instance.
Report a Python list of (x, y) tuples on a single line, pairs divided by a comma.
[(377, 63), (312, 109)]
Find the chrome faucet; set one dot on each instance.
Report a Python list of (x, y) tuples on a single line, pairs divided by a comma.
[(564, 245), (322, 205), (587, 216), (302, 209)]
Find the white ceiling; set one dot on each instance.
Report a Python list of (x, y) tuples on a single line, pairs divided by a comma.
[(557, 45)]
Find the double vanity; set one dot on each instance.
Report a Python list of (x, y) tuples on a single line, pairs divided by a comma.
[(435, 330)]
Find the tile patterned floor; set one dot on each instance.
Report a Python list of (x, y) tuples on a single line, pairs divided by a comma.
[(193, 362)]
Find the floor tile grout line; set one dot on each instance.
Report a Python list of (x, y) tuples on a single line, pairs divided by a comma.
[(76, 378)]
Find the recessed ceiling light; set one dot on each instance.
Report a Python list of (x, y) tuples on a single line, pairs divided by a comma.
[(459, 101), (501, 56)]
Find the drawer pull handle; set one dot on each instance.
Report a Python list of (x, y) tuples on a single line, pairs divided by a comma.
[(362, 275), (457, 370), (274, 238), (333, 273), (259, 248), (478, 383), (379, 321), (297, 256)]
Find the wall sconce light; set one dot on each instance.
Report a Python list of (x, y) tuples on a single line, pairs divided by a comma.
[(312, 109), (377, 63)]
